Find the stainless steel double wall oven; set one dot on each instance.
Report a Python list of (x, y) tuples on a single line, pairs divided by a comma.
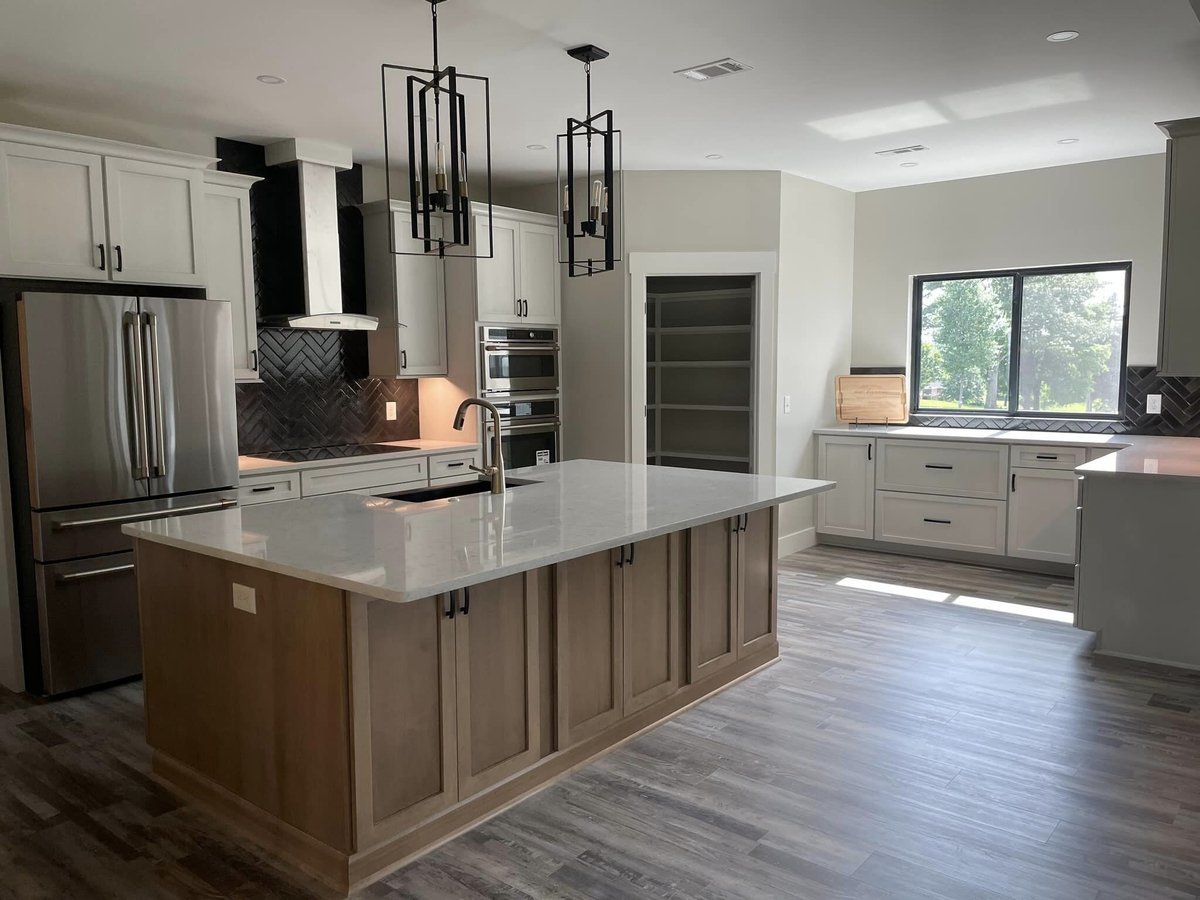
[(520, 373)]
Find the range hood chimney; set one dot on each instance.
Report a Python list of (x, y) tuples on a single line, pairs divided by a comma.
[(317, 163)]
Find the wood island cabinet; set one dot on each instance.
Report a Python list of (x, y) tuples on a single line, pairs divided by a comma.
[(731, 591), (366, 730), (588, 614)]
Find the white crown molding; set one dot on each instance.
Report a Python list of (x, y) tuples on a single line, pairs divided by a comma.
[(60, 140), (230, 179)]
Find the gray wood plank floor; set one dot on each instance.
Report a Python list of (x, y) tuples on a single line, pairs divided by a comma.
[(902, 748)]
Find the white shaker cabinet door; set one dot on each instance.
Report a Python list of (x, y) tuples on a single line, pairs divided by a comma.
[(498, 295), (154, 222), (420, 304), (230, 270), (1041, 514), (848, 509), (539, 273), (52, 214)]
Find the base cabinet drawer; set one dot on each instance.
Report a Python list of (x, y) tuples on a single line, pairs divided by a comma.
[(339, 479), (450, 468), (268, 488), (1045, 457), (955, 469), (951, 523)]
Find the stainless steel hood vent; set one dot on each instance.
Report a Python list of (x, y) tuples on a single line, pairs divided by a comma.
[(317, 164)]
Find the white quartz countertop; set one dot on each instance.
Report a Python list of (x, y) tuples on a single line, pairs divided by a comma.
[(1135, 455), (252, 465), (400, 552)]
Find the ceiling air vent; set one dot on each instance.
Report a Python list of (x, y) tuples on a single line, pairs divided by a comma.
[(714, 69), (901, 151)]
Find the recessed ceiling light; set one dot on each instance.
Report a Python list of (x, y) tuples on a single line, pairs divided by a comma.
[(908, 165), (1069, 141), (535, 146), (272, 79), (713, 156), (1061, 37)]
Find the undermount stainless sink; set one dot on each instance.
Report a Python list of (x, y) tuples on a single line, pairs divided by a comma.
[(451, 491)]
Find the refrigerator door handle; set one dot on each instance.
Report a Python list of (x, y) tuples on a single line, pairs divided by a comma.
[(154, 386), (145, 516), (135, 379)]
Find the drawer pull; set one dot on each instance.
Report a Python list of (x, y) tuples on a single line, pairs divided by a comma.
[(937, 466), (1047, 456), (67, 578), (457, 465), (939, 521), (263, 490)]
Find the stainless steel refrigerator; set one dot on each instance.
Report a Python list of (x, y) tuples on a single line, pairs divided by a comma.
[(127, 411)]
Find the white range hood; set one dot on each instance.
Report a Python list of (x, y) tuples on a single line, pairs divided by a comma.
[(317, 164)]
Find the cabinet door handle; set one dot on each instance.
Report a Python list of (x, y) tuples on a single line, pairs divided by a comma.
[(254, 360), (745, 522), (1014, 482), (120, 258), (103, 264), (939, 521), (450, 605), (466, 604), (868, 452), (526, 302), (262, 490), (518, 307), (937, 466), (620, 563), (629, 558), (404, 359)]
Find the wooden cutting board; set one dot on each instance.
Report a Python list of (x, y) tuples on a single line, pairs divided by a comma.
[(872, 399)]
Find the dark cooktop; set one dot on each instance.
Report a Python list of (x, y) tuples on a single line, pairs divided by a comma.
[(313, 454)]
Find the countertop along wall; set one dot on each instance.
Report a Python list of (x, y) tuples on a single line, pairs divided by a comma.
[(1092, 212)]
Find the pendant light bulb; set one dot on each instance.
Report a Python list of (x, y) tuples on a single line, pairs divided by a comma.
[(597, 197), (566, 205)]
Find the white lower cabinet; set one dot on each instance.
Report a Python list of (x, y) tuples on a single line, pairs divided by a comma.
[(1042, 514), (398, 474), (268, 488), (849, 509), (948, 523)]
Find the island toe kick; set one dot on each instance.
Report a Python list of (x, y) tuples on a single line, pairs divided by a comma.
[(348, 735)]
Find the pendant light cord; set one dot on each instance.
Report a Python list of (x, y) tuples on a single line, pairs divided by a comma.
[(587, 71), (437, 99)]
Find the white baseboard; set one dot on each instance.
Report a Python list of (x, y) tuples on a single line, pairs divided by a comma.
[(797, 541)]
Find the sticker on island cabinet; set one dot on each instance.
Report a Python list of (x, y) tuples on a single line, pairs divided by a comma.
[(543, 458)]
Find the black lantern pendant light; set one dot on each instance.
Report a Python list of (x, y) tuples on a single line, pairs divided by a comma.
[(439, 196), (591, 151)]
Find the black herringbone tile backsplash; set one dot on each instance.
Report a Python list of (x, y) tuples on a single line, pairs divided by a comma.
[(1180, 411), (314, 389)]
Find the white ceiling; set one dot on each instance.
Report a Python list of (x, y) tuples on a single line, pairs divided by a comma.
[(833, 81)]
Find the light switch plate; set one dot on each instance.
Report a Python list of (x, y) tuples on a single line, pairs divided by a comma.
[(1154, 404), (244, 598), (787, 403), (389, 410)]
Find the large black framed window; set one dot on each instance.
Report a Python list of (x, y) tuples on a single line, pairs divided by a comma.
[(1022, 342)]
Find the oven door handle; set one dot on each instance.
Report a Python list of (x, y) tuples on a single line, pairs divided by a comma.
[(552, 425), (520, 348)]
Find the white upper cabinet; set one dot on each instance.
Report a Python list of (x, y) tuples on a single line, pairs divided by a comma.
[(229, 262), (540, 272), (51, 213), (74, 207), (154, 222), (497, 296), (407, 293), (520, 283)]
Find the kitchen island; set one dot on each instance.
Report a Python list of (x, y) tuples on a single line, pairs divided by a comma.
[(352, 680)]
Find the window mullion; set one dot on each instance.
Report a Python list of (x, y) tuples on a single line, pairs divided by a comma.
[(1014, 346)]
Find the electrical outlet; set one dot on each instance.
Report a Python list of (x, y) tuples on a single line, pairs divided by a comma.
[(244, 599), (1154, 404), (389, 410), (787, 403)]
